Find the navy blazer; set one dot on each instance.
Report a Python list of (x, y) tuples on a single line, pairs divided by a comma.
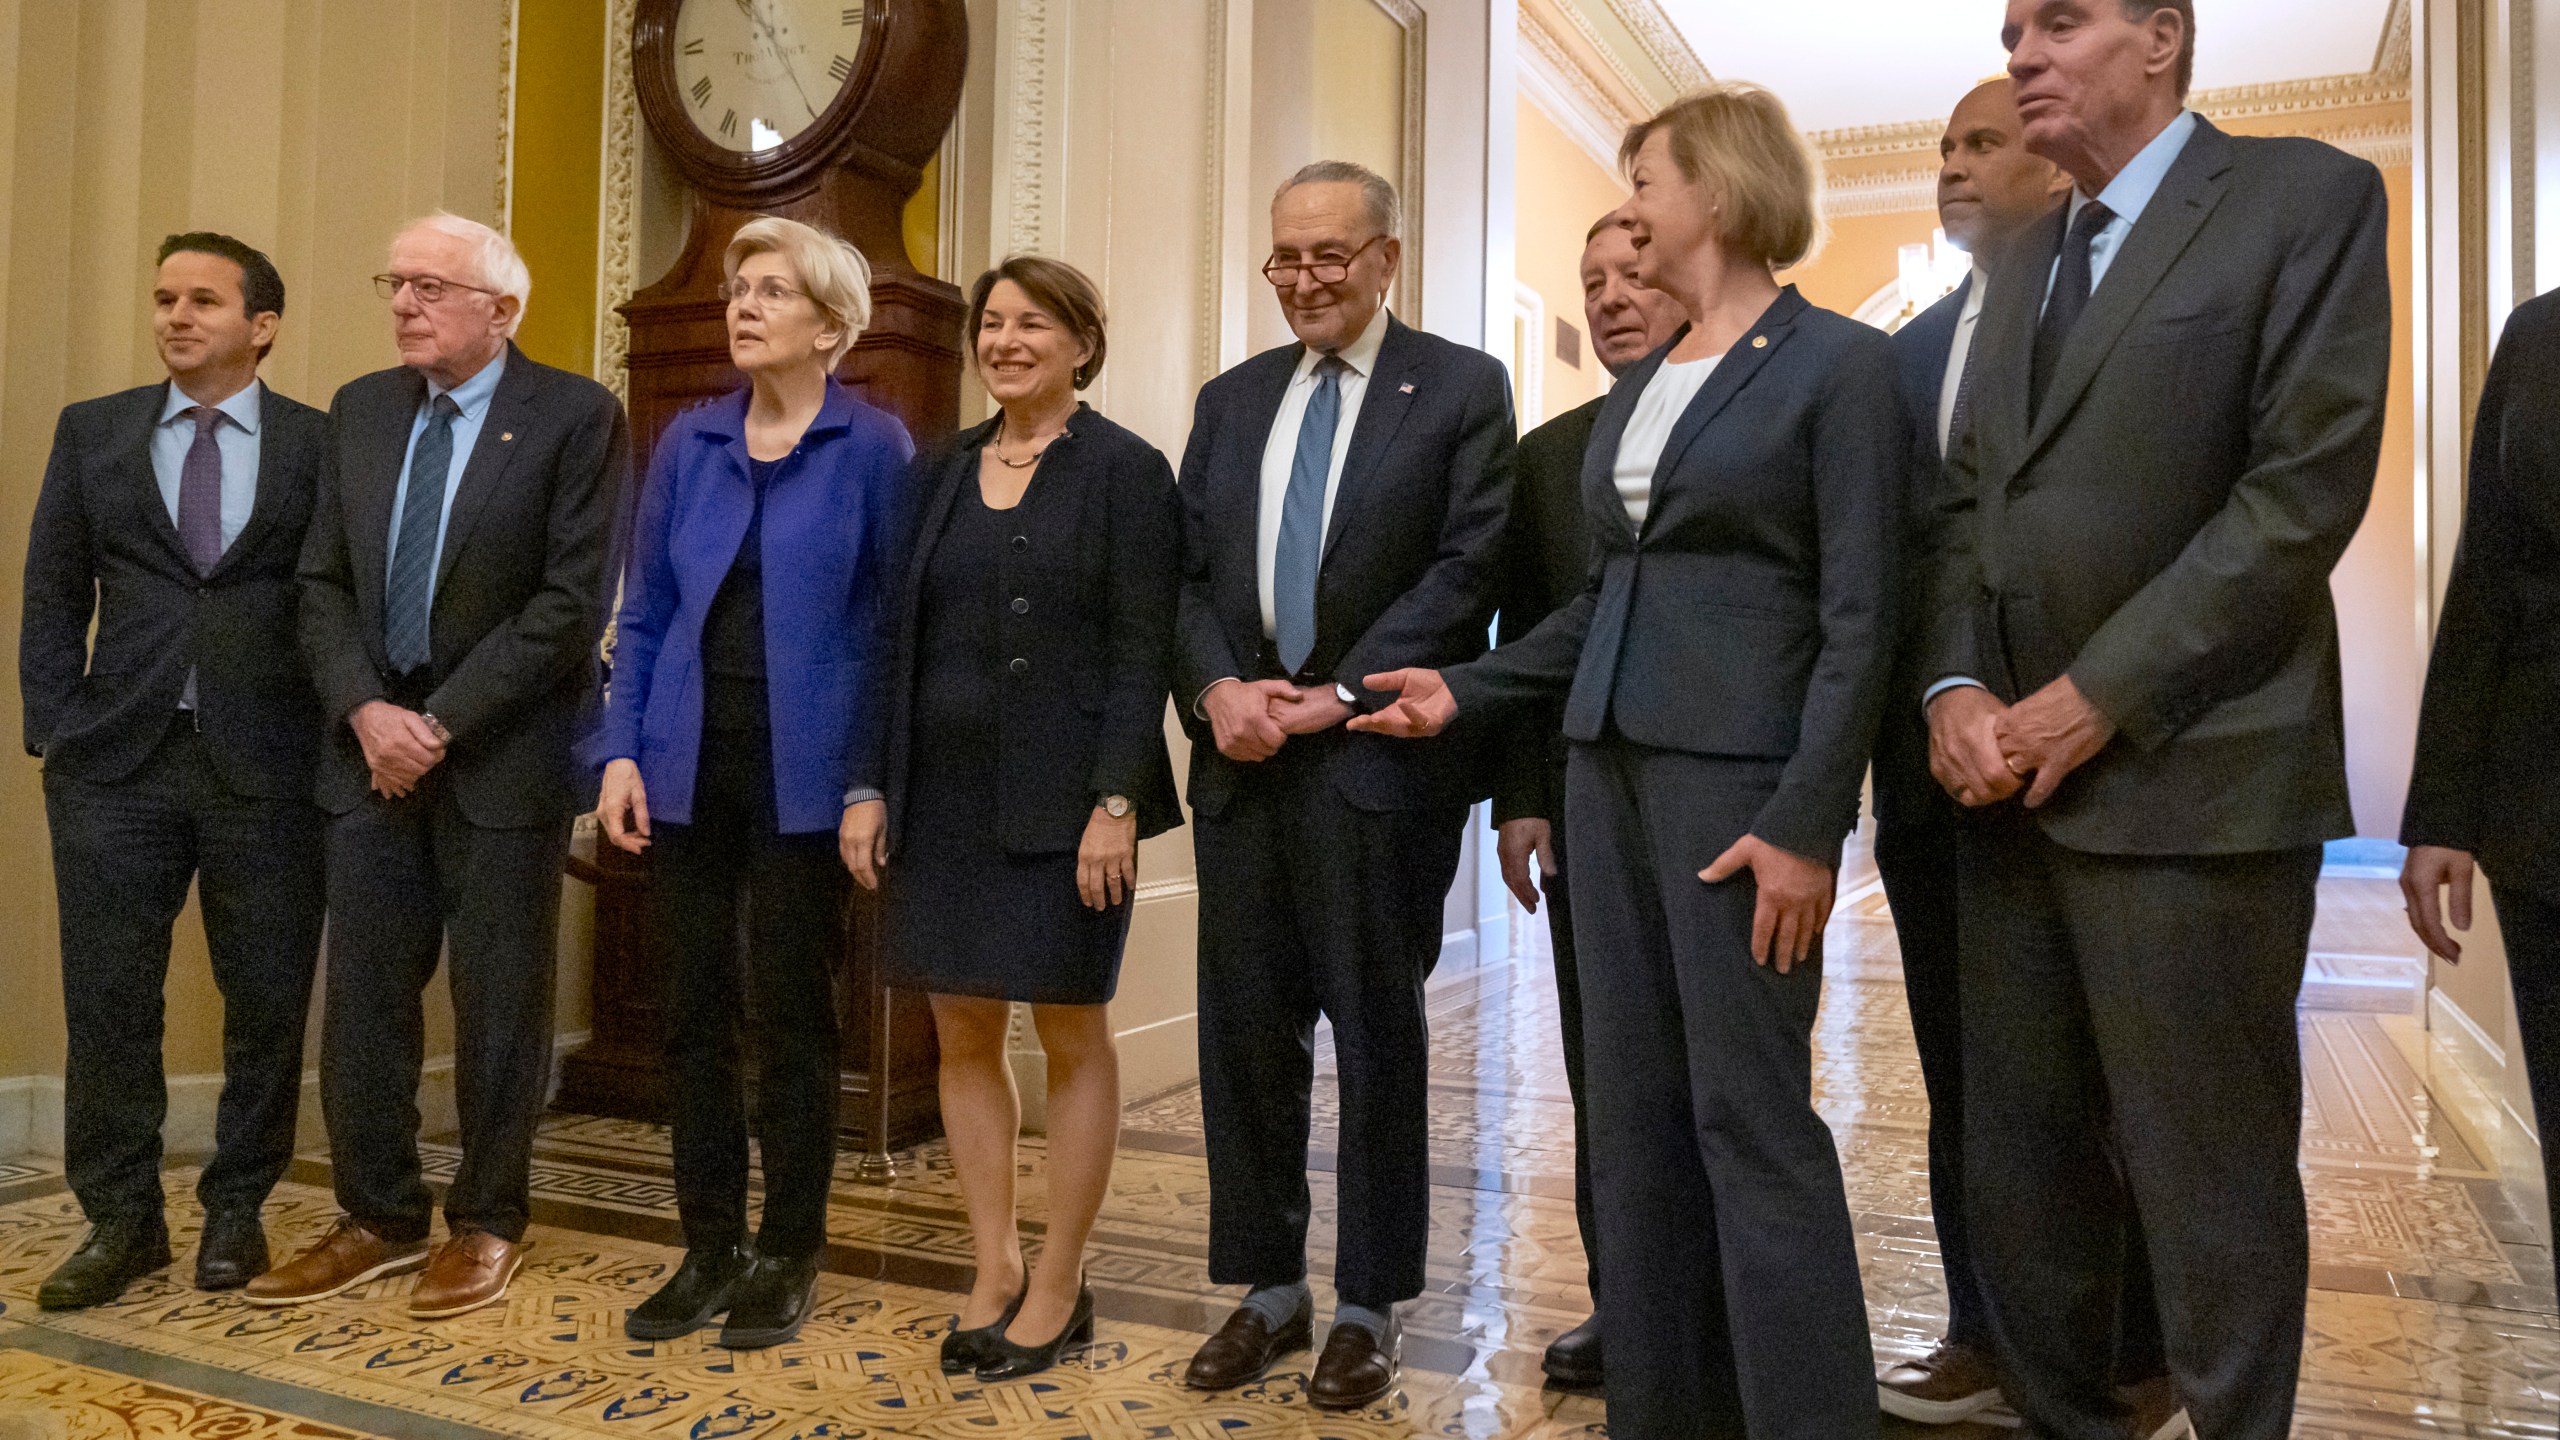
[(1904, 788), (1409, 556), (831, 516), (1089, 579), (1751, 616), (102, 544)]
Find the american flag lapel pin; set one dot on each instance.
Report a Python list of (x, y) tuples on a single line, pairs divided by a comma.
[(1405, 389)]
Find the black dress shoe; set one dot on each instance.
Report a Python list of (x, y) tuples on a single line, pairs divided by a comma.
[(1009, 1361), (772, 1302), (115, 1254), (1357, 1369), (1244, 1347), (966, 1350), (232, 1251), (700, 1289), (1573, 1358)]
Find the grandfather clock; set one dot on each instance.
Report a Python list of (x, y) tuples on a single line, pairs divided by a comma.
[(823, 111)]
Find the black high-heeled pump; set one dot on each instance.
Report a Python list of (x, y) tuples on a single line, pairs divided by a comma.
[(966, 1350), (1009, 1361)]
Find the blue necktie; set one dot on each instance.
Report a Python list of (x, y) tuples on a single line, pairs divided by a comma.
[(1300, 553), (410, 598)]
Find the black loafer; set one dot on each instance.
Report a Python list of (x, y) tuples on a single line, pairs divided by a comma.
[(966, 1350), (1573, 1358), (1244, 1348), (1011, 1362), (701, 1288), (771, 1303), (232, 1251), (114, 1255), (1357, 1368)]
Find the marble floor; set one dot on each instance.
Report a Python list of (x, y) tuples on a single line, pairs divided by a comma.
[(2431, 1312)]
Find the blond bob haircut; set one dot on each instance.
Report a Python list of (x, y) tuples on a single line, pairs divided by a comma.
[(1056, 287), (831, 272), (1736, 141)]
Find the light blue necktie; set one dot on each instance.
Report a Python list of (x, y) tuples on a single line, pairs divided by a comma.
[(1300, 553), (407, 602)]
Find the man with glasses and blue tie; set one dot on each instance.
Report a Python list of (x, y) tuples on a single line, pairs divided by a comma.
[(1344, 500), (453, 587)]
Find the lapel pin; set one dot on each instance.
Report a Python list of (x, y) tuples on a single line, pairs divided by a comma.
[(1405, 389), (1759, 342), (506, 436)]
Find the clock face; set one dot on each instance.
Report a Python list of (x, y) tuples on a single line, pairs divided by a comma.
[(754, 73)]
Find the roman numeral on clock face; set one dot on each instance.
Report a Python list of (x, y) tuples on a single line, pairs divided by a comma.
[(702, 91), (729, 123), (693, 47), (852, 15), (841, 70)]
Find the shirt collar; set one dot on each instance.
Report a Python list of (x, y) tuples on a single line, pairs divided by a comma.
[(1360, 355), (241, 409), (1977, 287), (2130, 192), (472, 396)]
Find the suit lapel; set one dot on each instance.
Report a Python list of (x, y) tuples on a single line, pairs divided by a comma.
[(1242, 521), (133, 465), (2185, 200), (371, 480), (490, 456), (278, 453), (1741, 361), (1382, 410), (1600, 502)]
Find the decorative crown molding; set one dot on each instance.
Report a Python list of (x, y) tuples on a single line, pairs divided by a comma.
[(1027, 123), (2391, 57), (1662, 42), (617, 249), (1558, 84)]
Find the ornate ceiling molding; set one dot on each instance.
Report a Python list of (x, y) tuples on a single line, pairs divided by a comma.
[(1558, 84), (2391, 57), (1662, 42), (618, 239)]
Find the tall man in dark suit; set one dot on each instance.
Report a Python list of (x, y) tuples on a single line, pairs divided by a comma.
[(2181, 385), (453, 590), (1546, 562), (178, 747), (1343, 505), (2486, 789)]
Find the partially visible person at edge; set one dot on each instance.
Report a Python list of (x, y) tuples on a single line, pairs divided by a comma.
[(742, 725), (1026, 761), (1723, 672), (1547, 562)]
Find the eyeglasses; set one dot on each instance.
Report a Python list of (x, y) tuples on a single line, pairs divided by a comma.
[(768, 290), (428, 288), (1284, 273)]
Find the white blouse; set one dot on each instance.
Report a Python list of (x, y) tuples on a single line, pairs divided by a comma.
[(1666, 397)]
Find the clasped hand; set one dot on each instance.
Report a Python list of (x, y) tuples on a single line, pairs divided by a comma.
[(1252, 719), (1983, 752), (399, 746)]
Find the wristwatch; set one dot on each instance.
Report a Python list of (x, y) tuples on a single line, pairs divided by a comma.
[(443, 736), (1116, 806)]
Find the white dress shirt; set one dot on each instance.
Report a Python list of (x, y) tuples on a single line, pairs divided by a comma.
[(1958, 353), (472, 398), (1280, 452), (235, 436), (1665, 399)]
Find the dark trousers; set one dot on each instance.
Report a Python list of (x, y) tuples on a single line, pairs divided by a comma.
[(1311, 906), (2531, 925), (408, 879), (792, 889), (2130, 1048), (1558, 894), (1726, 1250), (123, 854)]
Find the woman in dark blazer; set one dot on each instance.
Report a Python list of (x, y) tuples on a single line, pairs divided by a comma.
[(1724, 675), (746, 671), (1026, 760)]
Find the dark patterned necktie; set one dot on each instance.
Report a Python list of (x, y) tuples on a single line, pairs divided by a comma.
[(407, 602), (2071, 287), (1960, 414), (200, 492)]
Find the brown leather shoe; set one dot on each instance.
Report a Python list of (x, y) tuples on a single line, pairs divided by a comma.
[(1356, 1370), (346, 1257), (1244, 1347), (471, 1269), (1953, 1382)]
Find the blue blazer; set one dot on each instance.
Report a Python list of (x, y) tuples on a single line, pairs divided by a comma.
[(831, 519)]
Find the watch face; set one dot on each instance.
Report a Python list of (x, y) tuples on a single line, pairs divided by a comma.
[(754, 73)]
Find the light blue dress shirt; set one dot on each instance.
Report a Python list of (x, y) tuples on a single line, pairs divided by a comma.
[(2127, 195), (472, 398), (235, 435)]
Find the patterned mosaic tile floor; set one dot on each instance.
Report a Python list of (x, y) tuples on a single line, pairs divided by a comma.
[(2431, 1313)]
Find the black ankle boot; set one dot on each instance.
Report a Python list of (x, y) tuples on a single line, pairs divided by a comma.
[(966, 1350), (701, 1289), (772, 1302), (116, 1253), (1008, 1361)]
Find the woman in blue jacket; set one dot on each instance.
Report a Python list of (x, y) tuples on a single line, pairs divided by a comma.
[(746, 665)]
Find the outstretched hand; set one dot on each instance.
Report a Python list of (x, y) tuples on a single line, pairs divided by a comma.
[(1423, 706)]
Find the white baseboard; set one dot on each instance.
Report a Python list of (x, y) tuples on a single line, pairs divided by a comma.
[(2479, 1056)]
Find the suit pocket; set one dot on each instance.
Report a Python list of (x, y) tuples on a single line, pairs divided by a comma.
[(2193, 327)]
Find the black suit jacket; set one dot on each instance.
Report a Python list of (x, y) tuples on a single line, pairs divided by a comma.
[(2488, 771), (520, 585), (103, 544), (1751, 615), (1546, 561), (2163, 531), (1407, 577), (1905, 791), (1096, 586)]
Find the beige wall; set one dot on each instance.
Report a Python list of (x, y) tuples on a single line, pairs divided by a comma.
[(309, 128), (1561, 189)]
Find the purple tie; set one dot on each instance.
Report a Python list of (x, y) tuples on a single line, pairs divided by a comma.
[(200, 493)]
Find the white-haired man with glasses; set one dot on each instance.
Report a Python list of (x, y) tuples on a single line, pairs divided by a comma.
[(453, 586)]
